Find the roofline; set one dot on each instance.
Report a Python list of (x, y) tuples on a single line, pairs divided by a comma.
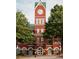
[(39, 4)]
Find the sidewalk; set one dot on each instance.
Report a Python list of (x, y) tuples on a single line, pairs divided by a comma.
[(38, 57)]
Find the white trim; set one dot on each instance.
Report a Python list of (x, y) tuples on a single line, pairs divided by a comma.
[(37, 21), (38, 30), (30, 48), (30, 52), (42, 30), (42, 39), (38, 50), (39, 47), (24, 48), (39, 4), (49, 48), (56, 48), (40, 17)]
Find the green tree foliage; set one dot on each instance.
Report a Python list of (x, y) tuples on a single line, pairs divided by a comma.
[(55, 22), (23, 31), (32, 27)]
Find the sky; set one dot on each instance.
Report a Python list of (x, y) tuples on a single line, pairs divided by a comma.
[(27, 7)]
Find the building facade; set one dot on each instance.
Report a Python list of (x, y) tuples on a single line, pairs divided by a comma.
[(41, 46), (40, 20)]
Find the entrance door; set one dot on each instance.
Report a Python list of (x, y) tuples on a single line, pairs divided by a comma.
[(24, 50), (30, 52), (49, 52), (40, 51), (56, 50)]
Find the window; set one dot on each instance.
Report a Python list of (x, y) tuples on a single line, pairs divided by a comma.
[(37, 30), (39, 21), (36, 21), (42, 30), (42, 39), (38, 40), (42, 21)]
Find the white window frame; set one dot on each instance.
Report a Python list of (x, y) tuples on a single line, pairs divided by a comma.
[(42, 30), (42, 21), (37, 21), (42, 39), (38, 30)]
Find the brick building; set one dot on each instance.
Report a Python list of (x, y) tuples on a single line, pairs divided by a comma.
[(41, 45)]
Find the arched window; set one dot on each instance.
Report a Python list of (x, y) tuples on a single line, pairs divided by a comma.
[(37, 21), (42, 21)]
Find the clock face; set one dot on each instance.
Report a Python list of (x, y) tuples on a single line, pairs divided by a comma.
[(40, 11)]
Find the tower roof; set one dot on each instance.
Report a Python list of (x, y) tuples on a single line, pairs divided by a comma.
[(40, 2)]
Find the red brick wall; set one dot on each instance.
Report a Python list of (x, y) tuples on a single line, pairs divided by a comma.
[(40, 7)]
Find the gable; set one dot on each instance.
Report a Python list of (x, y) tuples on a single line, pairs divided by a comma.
[(42, 3)]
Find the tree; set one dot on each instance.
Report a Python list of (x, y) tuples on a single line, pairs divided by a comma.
[(23, 31), (54, 26)]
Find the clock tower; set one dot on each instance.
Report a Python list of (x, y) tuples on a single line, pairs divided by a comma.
[(40, 20)]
